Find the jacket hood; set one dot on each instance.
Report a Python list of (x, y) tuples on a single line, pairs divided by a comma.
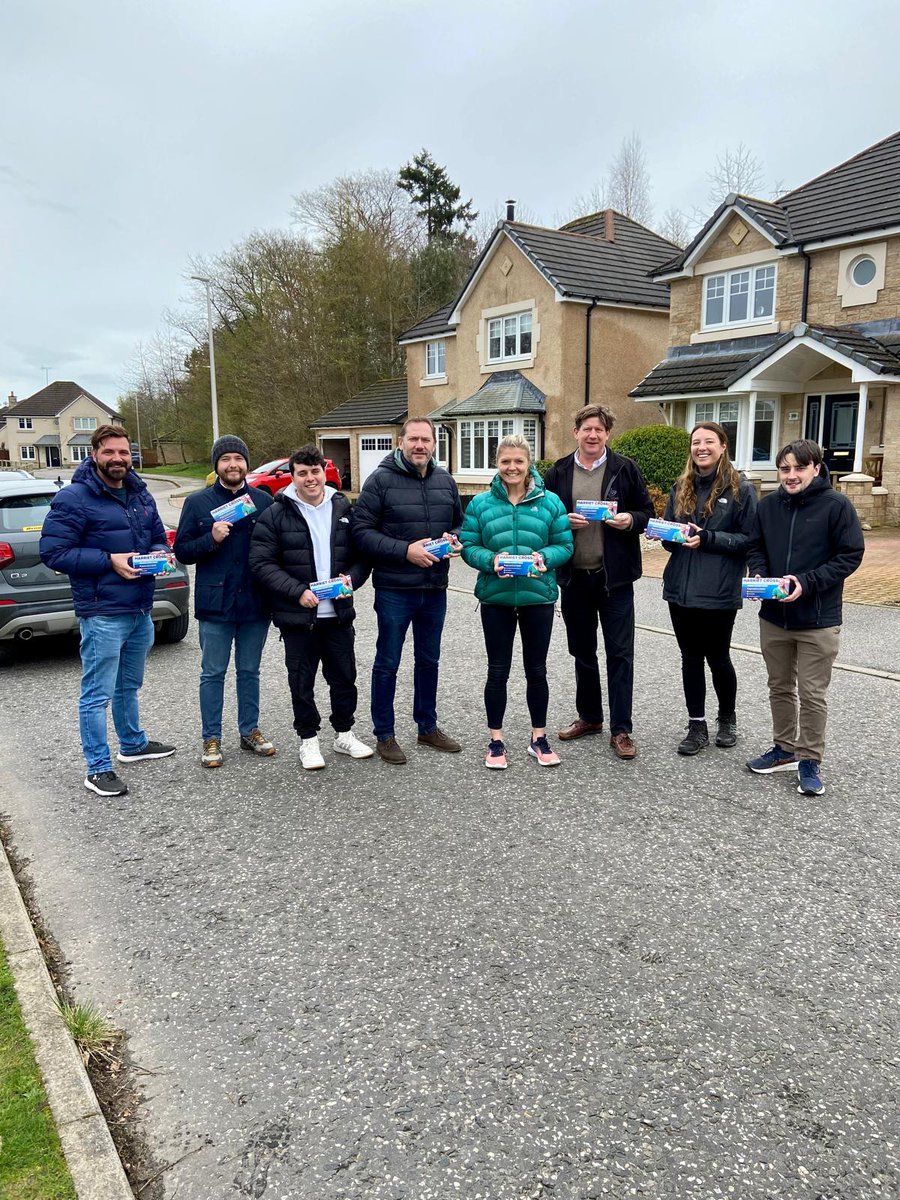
[(86, 473)]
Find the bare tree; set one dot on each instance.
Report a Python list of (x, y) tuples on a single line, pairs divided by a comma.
[(627, 184), (367, 202), (676, 226), (738, 170)]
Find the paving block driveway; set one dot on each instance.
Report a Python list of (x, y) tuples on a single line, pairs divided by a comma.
[(666, 978)]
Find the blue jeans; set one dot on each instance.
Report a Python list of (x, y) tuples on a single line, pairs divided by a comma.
[(216, 640), (397, 609), (113, 653)]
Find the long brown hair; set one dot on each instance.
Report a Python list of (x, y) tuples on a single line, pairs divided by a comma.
[(726, 478)]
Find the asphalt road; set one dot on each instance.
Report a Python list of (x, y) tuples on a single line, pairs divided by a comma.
[(667, 978)]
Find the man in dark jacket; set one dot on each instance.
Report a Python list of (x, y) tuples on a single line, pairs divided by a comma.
[(407, 501), (598, 582), (809, 534), (94, 526), (229, 606), (302, 540)]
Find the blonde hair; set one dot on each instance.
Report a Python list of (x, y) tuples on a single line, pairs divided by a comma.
[(513, 441)]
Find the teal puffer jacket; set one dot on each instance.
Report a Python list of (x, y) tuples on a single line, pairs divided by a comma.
[(494, 526)]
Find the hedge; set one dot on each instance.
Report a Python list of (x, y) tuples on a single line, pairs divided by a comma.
[(659, 450)]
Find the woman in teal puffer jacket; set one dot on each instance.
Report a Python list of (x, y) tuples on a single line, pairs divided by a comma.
[(516, 516)]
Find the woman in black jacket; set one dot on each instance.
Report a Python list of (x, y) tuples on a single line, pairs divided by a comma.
[(702, 579)]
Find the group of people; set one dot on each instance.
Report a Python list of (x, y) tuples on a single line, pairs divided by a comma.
[(269, 564)]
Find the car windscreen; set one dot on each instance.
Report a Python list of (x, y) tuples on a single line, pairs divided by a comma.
[(23, 514), (266, 468)]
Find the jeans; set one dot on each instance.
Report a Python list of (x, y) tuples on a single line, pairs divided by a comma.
[(330, 643), (113, 653), (535, 622), (216, 640), (704, 636), (396, 609), (585, 602)]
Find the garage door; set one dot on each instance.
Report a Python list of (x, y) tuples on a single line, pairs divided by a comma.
[(371, 451)]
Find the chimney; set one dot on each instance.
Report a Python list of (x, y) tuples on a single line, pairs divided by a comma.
[(510, 210), (609, 218), (12, 399)]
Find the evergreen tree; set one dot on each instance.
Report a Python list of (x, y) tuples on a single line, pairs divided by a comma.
[(436, 197)]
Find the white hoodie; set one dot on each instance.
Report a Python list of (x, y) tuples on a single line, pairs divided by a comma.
[(318, 518)]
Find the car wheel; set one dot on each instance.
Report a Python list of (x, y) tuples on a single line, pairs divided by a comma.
[(263, 487), (174, 630)]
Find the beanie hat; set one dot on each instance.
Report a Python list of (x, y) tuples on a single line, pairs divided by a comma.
[(229, 444)]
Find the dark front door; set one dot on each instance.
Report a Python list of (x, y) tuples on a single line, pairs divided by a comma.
[(53, 459), (839, 433)]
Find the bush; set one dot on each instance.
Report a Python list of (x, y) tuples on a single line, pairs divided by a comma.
[(659, 450), (659, 497), (543, 465)]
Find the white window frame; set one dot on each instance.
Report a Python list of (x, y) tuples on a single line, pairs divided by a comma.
[(480, 427), (503, 331), (28, 453), (436, 359), (727, 277), (716, 402), (26, 423), (85, 424), (79, 453), (442, 446), (380, 441)]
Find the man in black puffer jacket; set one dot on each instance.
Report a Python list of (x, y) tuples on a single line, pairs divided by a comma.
[(304, 538), (405, 502), (809, 534)]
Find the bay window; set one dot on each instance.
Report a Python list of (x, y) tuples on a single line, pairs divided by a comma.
[(480, 436)]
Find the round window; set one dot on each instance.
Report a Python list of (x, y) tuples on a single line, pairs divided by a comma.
[(863, 270)]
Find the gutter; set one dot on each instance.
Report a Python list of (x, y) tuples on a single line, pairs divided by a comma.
[(587, 349)]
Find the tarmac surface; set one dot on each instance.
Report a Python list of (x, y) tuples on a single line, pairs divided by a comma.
[(665, 978)]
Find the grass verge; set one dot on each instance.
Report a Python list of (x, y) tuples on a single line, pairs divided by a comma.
[(194, 470), (32, 1166)]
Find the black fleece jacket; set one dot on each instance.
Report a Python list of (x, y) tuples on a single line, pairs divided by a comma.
[(622, 481), (815, 535)]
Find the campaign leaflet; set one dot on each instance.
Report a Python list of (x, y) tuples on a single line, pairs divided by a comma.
[(443, 547), (765, 589), (597, 510), (152, 564), (667, 531), (331, 589), (234, 510), (516, 564)]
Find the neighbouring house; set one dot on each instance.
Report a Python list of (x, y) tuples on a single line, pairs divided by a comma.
[(53, 427), (785, 323), (547, 320), (4, 438), (360, 432)]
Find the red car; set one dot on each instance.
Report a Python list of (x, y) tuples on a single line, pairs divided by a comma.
[(273, 476)]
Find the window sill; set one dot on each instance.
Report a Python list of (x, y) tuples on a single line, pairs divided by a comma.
[(734, 331), (432, 380), (507, 364)]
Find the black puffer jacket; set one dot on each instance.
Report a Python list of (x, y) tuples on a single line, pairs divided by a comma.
[(398, 506), (622, 481), (815, 535), (282, 559), (710, 576)]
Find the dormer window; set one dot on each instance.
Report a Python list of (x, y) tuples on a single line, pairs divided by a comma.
[(739, 297)]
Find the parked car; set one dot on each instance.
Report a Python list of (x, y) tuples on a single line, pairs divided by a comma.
[(275, 475), (36, 601)]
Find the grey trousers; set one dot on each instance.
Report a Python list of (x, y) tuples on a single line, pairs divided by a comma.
[(799, 663)]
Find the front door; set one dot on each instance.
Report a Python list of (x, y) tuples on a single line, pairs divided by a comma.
[(839, 433), (53, 459)]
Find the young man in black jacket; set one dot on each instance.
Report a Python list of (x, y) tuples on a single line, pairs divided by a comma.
[(302, 539), (405, 502), (229, 606), (809, 534), (597, 584)]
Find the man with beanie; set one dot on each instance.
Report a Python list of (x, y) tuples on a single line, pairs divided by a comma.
[(229, 606)]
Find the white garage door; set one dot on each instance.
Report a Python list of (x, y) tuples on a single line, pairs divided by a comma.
[(371, 451)]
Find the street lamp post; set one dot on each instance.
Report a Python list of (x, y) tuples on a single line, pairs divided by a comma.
[(212, 356)]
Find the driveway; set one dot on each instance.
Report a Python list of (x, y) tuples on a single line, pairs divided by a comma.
[(666, 978)]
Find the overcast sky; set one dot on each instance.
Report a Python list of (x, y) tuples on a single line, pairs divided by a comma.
[(136, 133)]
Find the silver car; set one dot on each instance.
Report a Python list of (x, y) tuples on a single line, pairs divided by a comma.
[(36, 601)]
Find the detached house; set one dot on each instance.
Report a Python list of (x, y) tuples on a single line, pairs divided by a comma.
[(785, 323), (53, 427), (548, 320)]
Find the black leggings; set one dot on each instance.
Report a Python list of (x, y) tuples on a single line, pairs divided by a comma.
[(535, 623), (705, 634)]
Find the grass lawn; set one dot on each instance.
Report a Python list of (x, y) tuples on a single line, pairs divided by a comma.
[(32, 1166), (192, 470)]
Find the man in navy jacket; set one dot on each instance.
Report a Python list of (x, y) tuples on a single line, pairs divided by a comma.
[(94, 526), (228, 604)]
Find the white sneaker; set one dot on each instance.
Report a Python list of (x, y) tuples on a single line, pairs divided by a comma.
[(349, 743), (310, 755)]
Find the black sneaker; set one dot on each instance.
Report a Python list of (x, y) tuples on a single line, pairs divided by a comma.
[(151, 750), (105, 783), (696, 738), (726, 730)]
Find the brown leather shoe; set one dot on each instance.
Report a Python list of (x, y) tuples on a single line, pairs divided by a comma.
[(623, 746), (578, 729), (389, 751), (438, 740)]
